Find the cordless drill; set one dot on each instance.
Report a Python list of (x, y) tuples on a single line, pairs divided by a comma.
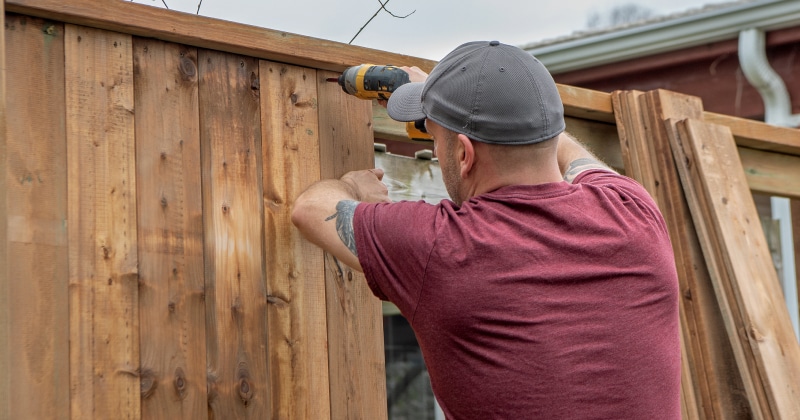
[(369, 81)]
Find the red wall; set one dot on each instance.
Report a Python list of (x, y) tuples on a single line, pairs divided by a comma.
[(710, 71)]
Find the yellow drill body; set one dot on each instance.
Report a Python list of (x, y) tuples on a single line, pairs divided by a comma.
[(370, 81)]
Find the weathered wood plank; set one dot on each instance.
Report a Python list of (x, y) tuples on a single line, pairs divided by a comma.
[(230, 139), (216, 34), (36, 147), (298, 335), (795, 209), (355, 325), (586, 104), (646, 151), (5, 311), (738, 258), (171, 282), (771, 173), (104, 319), (759, 135)]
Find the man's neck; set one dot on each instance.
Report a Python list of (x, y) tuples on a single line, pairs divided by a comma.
[(485, 180)]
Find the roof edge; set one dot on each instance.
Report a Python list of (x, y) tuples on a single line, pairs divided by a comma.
[(667, 35)]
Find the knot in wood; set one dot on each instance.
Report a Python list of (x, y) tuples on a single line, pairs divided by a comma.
[(179, 383), (187, 68), (148, 383), (245, 391)]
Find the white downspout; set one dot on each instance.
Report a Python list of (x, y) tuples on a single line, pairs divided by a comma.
[(753, 59), (777, 111)]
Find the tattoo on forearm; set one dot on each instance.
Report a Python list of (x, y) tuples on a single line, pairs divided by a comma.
[(344, 223), (579, 165)]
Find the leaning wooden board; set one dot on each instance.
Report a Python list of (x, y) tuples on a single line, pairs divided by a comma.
[(741, 267)]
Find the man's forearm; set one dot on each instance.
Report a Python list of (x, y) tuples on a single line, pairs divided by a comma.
[(574, 158), (324, 215), (324, 211)]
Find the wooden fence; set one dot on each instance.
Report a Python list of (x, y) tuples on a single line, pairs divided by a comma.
[(148, 267)]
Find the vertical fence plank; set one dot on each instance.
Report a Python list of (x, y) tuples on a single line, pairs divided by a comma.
[(355, 326), (37, 216), (744, 276), (230, 139), (295, 268), (170, 221), (5, 310), (104, 323)]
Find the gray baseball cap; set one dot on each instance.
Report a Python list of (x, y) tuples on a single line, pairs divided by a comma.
[(491, 92)]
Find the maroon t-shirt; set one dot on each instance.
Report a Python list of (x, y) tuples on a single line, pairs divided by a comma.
[(552, 301)]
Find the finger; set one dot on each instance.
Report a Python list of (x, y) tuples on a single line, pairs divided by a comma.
[(378, 173)]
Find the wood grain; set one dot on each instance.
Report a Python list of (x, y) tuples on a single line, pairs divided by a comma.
[(795, 210), (355, 324), (170, 221), (586, 104), (744, 278), (36, 171), (771, 173), (236, 313), (103, 281), (759, 135), (216, 34), (5, 307), (298, 335)]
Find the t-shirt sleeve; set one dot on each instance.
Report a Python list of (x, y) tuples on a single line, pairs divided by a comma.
[(394, 242), (626, 189)]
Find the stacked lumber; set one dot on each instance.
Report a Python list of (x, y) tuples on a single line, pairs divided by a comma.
[(741, 358)]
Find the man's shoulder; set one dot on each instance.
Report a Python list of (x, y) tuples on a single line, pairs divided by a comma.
[(607, 177)]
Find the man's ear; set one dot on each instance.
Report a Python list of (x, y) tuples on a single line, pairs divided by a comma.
[(466, 155)]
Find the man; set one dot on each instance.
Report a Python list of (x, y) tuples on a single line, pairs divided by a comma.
[(546, 288)]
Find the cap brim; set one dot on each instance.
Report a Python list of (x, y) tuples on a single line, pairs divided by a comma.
[(405, 104)]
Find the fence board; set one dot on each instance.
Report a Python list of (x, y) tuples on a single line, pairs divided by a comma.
[(771, 173), (741, 266), (298, 334), (216, 34), (230, 138), (104, 321), (6, 351), (37, 215), (171, 291), (355, 324)]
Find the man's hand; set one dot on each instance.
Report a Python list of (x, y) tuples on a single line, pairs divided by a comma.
[(368, 185), (324, 212)]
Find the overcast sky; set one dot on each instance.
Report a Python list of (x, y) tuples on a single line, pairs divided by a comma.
[(434, 28)]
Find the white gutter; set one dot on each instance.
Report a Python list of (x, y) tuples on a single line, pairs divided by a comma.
[(777, 111), (668, 35)]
